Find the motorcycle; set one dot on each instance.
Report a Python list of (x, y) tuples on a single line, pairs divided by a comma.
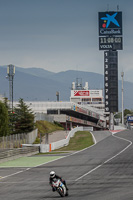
[(60, 187)]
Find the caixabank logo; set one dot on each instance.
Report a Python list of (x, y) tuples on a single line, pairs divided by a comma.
[(110, 23)]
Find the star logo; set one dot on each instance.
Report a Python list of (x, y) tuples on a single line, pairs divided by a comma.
[(108, 19)]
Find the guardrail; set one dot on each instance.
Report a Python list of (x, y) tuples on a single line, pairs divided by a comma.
[(17, 153)]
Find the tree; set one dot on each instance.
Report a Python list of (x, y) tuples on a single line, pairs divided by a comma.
[(126, 112), (10, 116), (4, 120), (24, 118)]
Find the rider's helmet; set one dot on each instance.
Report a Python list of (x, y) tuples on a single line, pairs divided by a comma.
[(52, 174)]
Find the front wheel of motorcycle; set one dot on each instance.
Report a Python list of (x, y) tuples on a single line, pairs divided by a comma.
[(66, 193), (61, 192)]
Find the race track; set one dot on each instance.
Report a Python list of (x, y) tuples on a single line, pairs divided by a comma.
[(102, 172)]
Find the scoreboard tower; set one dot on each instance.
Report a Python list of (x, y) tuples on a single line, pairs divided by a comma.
[(110, 41)]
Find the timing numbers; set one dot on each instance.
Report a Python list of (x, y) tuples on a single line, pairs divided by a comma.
[(108, 40)]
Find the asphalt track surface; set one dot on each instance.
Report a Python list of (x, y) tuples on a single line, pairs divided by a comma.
[(102, 172)]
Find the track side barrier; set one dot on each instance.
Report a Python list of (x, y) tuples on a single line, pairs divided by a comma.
[(61, 143)]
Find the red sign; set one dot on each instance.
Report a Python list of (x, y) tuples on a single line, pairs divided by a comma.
[(81, 93)]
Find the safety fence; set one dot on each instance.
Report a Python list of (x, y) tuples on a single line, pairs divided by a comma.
[(16, 140), (10, 154), (13, 141)]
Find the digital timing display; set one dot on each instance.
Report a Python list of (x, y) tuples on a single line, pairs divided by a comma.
[(108, 40), (110, 43)]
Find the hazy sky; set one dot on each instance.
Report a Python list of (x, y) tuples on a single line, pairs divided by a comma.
[(60, 35)]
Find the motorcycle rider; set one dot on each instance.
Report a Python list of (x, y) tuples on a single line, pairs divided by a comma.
[(54, 176)]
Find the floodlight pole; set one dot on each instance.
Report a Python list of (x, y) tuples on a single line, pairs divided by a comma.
[(122, 75), (57, 95), (11, 73)]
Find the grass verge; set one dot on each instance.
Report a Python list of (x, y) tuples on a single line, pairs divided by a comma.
[(29, 161), (81, 140), (53, 152), (46, 127)]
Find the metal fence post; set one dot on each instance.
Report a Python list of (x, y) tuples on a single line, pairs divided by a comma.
[(3, 142), (13, 140), (16, 140), (10, 141)]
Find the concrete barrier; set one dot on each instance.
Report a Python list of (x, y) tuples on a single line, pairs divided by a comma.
[(56, 145)]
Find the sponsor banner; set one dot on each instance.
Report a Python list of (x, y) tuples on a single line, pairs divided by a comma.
[(80, 121), (80, 110), (81, 93), (86, 93), (85, 111), (130, 118), (110, 23)]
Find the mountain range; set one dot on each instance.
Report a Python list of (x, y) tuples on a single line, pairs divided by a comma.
[(36, 84)]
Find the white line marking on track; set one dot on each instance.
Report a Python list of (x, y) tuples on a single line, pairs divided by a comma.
[(12, 174), (130, 143), (88, 172), (108, 159)]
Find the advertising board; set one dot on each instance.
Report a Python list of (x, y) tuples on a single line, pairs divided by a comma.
[(130, 118), (110, 23), (86, 93)]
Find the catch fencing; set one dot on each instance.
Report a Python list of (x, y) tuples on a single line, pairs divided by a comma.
[(16, 140), (13, 141)]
